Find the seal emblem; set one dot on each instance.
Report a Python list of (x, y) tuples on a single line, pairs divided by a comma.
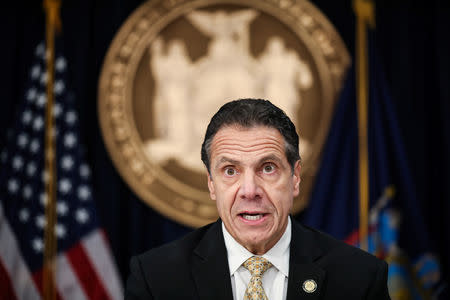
[(174, 63), (309, 286)]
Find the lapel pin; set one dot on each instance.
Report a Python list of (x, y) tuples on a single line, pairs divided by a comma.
[(309, 286)]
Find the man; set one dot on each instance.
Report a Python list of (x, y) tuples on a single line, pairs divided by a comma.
[(255, 250)]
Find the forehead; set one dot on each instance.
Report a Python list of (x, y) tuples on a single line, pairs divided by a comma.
[(253, 141)]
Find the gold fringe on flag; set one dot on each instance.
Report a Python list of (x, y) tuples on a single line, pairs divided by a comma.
[(365, 15), (53, 23)]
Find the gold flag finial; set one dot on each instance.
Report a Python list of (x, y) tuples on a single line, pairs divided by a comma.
[(365, 10), (52, 11)]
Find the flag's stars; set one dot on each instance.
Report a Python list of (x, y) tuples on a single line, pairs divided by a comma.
[(40, 221), (64, 186), (13, 185), (41, 100), (60, 230), (84, 192), (85, 172), (22, 140), (17, 162), (27, 192), (69, 140), (31, 93), (62, 208), (24, 215), (38, 123), (40, 50), (35, 71), (67, 162), (34, 146), (60, 64), (43, 199), (27, 116), (31, 169), (43, 78), (81, 215), (71, 117), (57, 110), (59, 87), (37, 244)]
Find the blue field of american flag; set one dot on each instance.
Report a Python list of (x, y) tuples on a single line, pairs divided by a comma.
[(84, 266)]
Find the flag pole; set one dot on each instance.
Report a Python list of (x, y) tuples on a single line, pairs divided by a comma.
[(53, 23), (365, 16)]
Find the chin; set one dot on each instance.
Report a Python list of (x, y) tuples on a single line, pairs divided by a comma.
[(255, 241)]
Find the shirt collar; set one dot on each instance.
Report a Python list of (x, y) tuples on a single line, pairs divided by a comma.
[(278, 255)]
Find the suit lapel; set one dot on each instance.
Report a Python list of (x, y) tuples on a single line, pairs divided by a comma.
[(212, 276), (306, 278), (210, 266)]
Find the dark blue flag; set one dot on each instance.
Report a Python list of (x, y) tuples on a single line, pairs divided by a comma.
[(397, 230)]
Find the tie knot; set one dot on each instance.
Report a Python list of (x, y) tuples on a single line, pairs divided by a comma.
[(257, 265)]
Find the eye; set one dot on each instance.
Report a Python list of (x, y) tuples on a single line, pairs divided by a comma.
[(230, 171), (268, 168)]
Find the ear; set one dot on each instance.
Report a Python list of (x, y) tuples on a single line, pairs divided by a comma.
[(212, 192), (296, 178)]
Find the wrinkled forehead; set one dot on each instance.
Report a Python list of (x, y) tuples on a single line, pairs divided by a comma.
[(247, 140), (241, 130)]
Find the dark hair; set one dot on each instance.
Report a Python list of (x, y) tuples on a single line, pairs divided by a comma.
[(248, 113)]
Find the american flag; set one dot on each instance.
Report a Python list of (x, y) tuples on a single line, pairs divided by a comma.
[(84, 266)]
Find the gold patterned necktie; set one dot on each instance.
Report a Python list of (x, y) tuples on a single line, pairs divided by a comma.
[(257, 266)]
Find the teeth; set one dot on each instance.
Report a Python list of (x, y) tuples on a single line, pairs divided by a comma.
[(252, 217)]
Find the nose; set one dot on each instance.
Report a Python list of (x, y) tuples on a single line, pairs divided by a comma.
[(249, 188)]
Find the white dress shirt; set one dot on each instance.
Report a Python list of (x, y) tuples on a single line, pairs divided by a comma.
[(274, 280)]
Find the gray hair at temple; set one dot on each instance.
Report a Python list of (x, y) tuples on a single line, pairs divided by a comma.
[(249, 113)]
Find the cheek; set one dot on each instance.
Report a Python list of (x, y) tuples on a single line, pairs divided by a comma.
[(281, 198), (231, 201), (225, 198)]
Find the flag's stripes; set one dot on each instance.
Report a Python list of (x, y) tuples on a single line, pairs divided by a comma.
[(97, 249), (6, 288), (68, 283), (12, 261), (38, 281), (86, 273)]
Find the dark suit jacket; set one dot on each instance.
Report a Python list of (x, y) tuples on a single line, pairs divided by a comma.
[(196, 267)]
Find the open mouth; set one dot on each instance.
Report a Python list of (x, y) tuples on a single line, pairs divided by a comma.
[(252, 217)]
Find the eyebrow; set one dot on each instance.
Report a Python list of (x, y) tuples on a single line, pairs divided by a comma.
[(225, 159), (270, 157)]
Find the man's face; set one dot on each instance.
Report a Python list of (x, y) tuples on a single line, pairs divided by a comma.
[(253, 185)]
